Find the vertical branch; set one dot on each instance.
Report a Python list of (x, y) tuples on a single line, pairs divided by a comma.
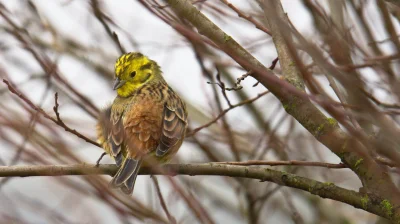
[(162, 202)]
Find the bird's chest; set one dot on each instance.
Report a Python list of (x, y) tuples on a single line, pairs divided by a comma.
[(136, 109), (143, 110), (142, 124)]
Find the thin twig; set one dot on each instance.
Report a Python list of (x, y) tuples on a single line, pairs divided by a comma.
[(271, 67), (285, 163), (226, 111), (47, 65), (101, 157), (296, 217), (248, 18), (223, 88), (194, 205), (58, 120), (239, 80), (55, 108), (226, 127), (221, 84), (237, 86), (118, 43), (162, 202), (379, 103), (102, 19)]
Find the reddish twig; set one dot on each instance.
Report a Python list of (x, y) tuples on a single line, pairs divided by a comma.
[(379, 103), (103, 18), (221, 84), (381, 160), (58, 120), (248, 18), (192, 203), (118, 43), (226, 111), (285, 163), (100, 158), (162, 202), (271, 67), (239, 80), (46, 64), (196, 207)]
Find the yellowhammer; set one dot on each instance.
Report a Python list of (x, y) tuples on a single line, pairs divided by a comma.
[(147, 118)]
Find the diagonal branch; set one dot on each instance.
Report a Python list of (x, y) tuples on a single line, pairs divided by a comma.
[(224, 112), (257, 24), (57, 120), (97, 11)]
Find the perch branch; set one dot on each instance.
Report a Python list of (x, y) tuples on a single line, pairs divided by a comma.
[(366, 202)]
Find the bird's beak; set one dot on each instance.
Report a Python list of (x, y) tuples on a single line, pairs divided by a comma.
[(118, 83)]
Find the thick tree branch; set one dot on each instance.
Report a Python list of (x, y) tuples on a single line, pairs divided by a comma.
[(325, 190)]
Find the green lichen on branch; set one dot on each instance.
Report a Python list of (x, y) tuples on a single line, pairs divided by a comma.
[(357, 164), (364, 202), (289, 107), (332, 121), (329, 184), (387, 207), (227, 37), (328, 125)]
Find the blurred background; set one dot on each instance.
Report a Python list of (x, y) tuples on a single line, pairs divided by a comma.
[(68, 47)]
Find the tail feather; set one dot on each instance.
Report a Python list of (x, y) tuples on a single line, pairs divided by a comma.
[(119, 159), (128, 186), (126, 175)]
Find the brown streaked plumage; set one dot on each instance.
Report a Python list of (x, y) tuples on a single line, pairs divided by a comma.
[(146, 119)]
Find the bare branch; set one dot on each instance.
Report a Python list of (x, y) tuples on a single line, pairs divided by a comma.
[(285, 163), (57, 121), (239, 80), (368, 203), (221, 84), (379, 103), (226, 111), (248, 18), (103, 20), (162, 202), (271, 67)]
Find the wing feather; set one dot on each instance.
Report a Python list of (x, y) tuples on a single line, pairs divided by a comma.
[(116, 136), (173, 126)]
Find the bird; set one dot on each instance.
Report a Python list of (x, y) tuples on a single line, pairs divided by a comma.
[(147, 120)]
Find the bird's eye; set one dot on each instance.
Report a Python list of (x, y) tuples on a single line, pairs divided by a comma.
[(133, 74)]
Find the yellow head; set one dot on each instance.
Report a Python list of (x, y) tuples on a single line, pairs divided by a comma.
[(132, 71)]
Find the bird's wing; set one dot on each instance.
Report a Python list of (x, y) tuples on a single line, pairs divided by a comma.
[(110, 133), (116, 136), (173, 124), (132, 135), (141, 127)]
